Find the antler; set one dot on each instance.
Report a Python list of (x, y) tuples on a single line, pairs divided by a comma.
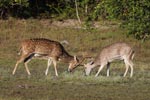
[(83, 59)]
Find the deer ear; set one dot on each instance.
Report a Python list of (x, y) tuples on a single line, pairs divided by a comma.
[(75, 58)]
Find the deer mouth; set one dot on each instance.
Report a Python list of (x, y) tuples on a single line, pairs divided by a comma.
[(71, 70)]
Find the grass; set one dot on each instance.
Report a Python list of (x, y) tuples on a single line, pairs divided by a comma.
[(70, 86)]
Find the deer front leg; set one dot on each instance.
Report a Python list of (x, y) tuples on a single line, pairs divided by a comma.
[(26, 61), (22, 58), (27, 69), (19, 61), (55, 67), (99, 70)]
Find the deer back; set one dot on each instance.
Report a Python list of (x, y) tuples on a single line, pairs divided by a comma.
[(42, 46), (114, 51)]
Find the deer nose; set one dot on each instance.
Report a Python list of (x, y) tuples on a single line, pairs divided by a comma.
[(69, 70)]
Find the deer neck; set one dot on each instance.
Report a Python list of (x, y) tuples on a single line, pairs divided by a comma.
[(96, 63), (66, 58)]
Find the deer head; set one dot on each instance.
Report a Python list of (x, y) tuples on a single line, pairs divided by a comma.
[(73, 64), (77, 62), (88, 67)]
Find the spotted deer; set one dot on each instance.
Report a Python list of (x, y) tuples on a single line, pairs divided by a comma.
[(45, 49), (116, 51)]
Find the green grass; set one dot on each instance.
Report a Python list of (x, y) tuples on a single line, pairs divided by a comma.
[(70, 86)]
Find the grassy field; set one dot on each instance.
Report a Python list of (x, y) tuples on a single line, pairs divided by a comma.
[(70, 86)]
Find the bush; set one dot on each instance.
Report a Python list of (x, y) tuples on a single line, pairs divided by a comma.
[(15, 8), (134, 14)]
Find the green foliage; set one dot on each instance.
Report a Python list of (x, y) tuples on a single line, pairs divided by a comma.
[(46, 9), (138, 18), (4, 6), (22, 2), (134, 14), (16, 8)]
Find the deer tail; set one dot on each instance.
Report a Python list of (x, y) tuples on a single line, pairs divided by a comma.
[(132, 53), (64, 42)]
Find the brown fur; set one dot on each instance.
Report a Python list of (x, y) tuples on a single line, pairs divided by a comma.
[(46, 49)]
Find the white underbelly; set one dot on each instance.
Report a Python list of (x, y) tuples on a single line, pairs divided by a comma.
[(115, 58), (41, 56)]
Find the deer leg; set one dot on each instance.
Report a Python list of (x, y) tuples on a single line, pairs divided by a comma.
[(99, 70), (26, 61), (131, 66), (27, 69), (127, 67), (108, 66), (48, 65), (19, 61), (55, 66), (22, 58)]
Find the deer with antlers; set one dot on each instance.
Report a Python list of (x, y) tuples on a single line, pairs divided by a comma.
[(45, 49), (116, 51)]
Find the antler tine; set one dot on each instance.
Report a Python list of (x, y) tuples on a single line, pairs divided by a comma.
[(80, 65), (83, 59)]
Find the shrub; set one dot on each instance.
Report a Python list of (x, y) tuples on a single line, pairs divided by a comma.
[(134, 14)]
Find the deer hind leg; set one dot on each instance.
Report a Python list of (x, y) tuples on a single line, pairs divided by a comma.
[(128, 63), (22, 58), (108, 66), (99, 70), (48, 65), (127, 67), (131, 66)]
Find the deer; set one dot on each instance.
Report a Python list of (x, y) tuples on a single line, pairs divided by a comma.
[(43, 48), (110, 53)]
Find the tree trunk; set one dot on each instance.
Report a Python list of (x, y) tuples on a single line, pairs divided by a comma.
[(77, 13)]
